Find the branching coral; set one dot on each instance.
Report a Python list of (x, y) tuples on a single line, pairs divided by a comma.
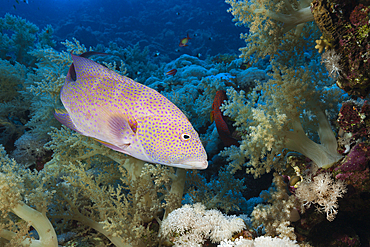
[(21, 40), (137, 61), (13, 117), (28, 149), (276, 215), (97, 200), (11, 80), (209, 85), (44, 86), (45, 37), (124, 202), (12, 107), (223, 193), (94, 190)]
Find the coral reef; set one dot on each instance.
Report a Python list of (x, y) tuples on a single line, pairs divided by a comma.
[(354, 169), (223, 193), (282, 101), (29, 150), (354, 123), (262, 241)]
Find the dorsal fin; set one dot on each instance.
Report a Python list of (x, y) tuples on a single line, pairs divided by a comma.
[(71, 76)]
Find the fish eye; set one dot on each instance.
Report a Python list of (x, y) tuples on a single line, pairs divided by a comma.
[(185, 137)]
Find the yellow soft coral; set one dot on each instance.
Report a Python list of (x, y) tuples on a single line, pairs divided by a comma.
[(288, 104), (274, 25)]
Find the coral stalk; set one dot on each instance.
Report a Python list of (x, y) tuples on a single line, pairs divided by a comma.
[(34, 218), (40, 222), (290, 20), (324, 154)]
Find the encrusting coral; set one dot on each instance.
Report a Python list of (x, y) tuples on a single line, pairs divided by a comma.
[(345, 29)]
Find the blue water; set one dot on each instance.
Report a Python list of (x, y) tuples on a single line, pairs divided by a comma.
[(157, 24), (26, 116)]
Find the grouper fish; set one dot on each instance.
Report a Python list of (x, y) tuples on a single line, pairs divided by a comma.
[(127, 116)]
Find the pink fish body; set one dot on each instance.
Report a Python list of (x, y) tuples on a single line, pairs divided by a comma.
[(128, 117), (217, 116), (171, 72)]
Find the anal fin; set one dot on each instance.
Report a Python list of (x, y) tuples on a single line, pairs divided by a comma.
[(63, 117)]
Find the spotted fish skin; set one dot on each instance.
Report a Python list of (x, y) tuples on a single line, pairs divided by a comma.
[(128, 117)]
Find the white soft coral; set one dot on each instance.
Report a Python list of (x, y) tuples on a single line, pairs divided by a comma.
[(323, 191), (193, 225), (331, 59)]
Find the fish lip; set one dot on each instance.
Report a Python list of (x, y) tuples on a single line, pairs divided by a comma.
[(200, 165)]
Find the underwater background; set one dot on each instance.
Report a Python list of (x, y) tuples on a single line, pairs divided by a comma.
[(276, 90), (159, 25)]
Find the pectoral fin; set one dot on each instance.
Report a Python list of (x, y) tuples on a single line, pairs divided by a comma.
[(121, 133)]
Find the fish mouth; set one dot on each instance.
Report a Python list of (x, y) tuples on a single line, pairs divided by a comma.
[(201, 165)]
